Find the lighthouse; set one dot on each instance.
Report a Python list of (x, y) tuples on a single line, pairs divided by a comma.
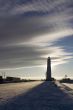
[(48, 73)]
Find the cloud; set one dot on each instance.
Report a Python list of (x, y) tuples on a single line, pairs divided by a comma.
[(48, 6), (30, 56), (31, 30), (17, 26)]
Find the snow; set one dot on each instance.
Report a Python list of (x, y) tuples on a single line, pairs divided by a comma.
[(69, 85), (36, 95), (10, 90)]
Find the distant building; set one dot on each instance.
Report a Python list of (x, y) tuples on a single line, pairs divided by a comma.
[(48, 73), (1, 79), (12, 79)]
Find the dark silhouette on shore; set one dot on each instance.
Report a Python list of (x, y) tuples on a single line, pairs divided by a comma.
[(1, 80), (66, 80), (9, 79)]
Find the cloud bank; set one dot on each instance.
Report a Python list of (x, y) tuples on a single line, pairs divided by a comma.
[(31, 30)]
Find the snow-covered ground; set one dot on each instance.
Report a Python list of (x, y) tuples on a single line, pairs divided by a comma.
[(10, 90), (69, 85), (37, 95)]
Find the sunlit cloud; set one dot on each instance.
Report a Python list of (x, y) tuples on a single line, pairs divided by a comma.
[(53, 36)]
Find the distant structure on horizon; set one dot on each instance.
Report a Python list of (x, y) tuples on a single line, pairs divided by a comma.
[(48, 73)]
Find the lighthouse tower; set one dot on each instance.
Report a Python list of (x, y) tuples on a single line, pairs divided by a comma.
[(48, 73)]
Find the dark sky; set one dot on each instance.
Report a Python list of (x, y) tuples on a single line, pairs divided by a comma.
[(32, 30)]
